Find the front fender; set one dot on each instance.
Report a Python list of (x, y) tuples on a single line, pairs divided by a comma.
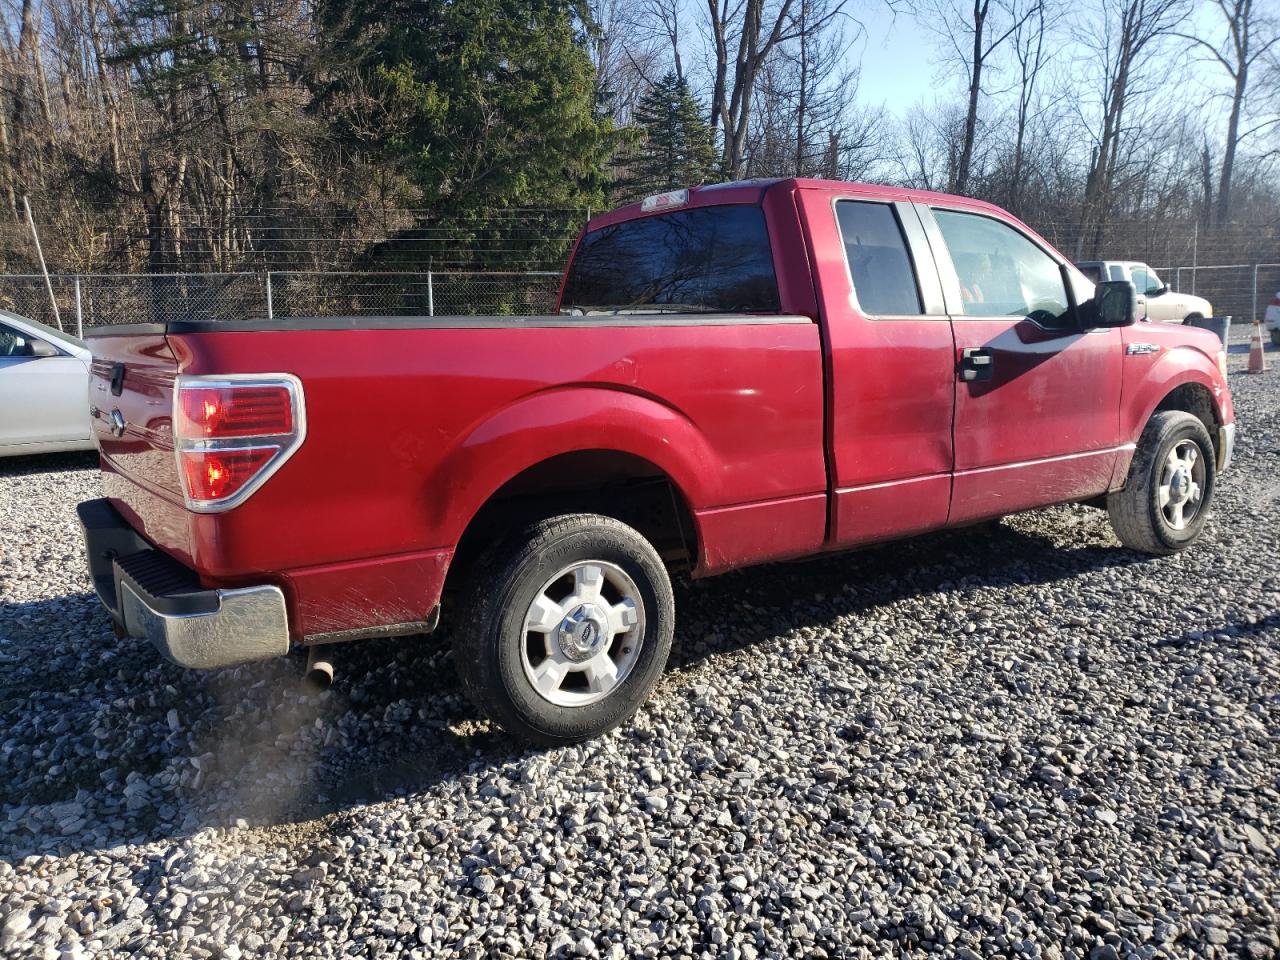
[(564, 420), (1168, 370)]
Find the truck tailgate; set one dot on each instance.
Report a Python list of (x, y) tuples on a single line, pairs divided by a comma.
[(131, 386)]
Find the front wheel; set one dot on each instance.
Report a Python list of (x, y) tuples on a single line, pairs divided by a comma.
[(566, 628), (1165, 501)]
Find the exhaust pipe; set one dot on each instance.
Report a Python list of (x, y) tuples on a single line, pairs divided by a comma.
[(319, 673)]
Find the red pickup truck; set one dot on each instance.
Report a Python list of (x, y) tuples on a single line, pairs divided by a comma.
[(737, 374)]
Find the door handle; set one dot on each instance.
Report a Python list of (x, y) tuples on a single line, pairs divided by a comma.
[(976, 363)]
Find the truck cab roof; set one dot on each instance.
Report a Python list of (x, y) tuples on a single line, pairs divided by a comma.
[(753, 191)]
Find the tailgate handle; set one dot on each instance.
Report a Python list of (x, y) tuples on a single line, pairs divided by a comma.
[(117, 379)]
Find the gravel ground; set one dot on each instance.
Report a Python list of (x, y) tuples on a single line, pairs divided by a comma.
[(1023, 741)]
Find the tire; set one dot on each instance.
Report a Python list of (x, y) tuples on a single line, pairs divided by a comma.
[(1192, 318), (624, 611), (1275, 337), (1137, 516)]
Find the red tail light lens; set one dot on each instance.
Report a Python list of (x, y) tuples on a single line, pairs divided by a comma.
[(235, 412), (214, 474), (231, 433)]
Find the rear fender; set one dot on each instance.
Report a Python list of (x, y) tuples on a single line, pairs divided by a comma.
[(565, 420)]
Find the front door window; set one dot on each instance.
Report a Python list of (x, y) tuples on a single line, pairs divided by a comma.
[(1002, 273)]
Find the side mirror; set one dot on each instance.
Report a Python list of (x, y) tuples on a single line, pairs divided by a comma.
[(42, 348), (1114, 304)]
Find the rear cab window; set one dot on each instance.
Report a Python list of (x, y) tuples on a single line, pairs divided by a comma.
[(884, 278), (704, 260)]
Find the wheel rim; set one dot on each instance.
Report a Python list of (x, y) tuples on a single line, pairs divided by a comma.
[(583, 633), (1181, 491)]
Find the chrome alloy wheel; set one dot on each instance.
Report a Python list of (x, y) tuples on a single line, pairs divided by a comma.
[(1181, 490), (583, 633)]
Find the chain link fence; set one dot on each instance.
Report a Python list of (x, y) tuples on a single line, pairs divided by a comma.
[(1239, 290), (428, 293), (93, 300), (97, 299)]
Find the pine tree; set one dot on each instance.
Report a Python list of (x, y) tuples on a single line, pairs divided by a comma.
[(674, 147), (484, 105)]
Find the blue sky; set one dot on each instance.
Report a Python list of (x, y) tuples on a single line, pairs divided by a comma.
[(899, 60), (897, 57)]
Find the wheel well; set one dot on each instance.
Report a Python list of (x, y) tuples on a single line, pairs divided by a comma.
[(1194, 398), (618, 485)]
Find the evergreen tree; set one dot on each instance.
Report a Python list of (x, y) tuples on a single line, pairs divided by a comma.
[(484, 105), (674, 147)]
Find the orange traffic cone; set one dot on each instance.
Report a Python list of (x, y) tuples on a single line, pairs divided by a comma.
[(1257, 359)]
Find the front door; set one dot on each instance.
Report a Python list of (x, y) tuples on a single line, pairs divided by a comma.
[(1037, 399)]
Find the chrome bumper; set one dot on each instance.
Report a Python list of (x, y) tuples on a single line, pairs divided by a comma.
[(245, 624), (151, 595), (1226, 445)]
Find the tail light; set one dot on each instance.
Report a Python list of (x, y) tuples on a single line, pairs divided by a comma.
[(231, 433)]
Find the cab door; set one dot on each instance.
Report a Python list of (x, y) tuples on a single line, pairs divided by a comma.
[(1037, 398), (890, 368)]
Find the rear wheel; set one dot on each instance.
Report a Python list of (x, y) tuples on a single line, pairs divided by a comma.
[(1165, 501), (566, 628)]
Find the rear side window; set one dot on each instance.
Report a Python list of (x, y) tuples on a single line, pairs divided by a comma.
[(1094, 273), (883, 277), (707, 260)]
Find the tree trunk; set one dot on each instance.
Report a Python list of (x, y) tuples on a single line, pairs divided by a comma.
[(1229, 147), (961, 184)]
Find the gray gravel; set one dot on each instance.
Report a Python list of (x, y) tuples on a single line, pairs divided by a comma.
[(1022, 741)]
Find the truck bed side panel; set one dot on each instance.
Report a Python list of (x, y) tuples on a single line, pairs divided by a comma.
[(410, 430)]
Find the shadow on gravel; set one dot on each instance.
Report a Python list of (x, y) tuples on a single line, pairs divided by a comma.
[(49, 463), (152, 752), (793, 594)]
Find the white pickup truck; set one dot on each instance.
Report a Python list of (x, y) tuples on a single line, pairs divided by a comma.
[(1155, 300)]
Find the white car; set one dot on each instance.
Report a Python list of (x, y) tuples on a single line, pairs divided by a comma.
[(1272, 319), (44, 389), (1155, 300)]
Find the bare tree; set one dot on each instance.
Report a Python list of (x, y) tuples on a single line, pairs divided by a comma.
[(752, 29), (926, 154), (628, 53), (971, 33), (807, 121), (665, 17), (1031, 52), (1250, 38), (1129, 29)]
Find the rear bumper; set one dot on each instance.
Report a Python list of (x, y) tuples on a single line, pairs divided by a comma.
[(151, 595)]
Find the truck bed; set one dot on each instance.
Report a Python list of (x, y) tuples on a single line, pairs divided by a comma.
[(414, 422)]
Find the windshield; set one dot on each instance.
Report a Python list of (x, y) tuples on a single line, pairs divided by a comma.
[(50, 333), (1145, 280), (706, 260)]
